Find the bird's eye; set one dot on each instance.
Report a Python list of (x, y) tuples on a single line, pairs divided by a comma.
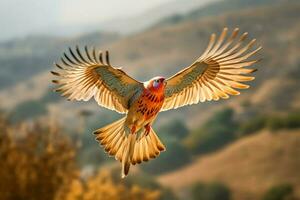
[(155, 83)]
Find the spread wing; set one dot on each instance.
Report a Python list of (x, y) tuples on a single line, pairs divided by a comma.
[(82, 76), (216, 74)]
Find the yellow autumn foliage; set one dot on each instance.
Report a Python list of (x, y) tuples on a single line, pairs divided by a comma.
[(39, 162)]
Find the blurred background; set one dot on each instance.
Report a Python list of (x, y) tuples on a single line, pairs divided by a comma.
[(244, 148)]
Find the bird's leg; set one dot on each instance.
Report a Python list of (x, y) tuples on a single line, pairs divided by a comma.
[(147, 129), (133, 129), (130, 130)]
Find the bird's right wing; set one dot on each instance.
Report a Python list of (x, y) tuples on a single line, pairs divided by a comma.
[(83, 76)]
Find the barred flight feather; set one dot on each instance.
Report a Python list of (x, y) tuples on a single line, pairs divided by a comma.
[(83, 76), (215, 74)]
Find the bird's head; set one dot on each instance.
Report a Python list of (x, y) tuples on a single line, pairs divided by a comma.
[(156, 84)]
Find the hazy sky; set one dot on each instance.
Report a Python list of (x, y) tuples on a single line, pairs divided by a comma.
[(74, 11), (23, 17)]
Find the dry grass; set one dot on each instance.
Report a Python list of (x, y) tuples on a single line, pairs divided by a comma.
[(249, 166)]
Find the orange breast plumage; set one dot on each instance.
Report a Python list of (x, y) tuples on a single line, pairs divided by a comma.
[(149, 104)]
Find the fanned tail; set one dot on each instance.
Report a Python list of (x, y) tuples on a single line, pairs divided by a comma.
[(126, 147)]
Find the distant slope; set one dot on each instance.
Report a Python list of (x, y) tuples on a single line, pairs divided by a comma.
[(152, 16), (217, 8), (249, 166), (20, 59), (165, 50), (168, 49)]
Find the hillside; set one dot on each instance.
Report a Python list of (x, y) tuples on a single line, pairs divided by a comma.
[(142, 21), (217, 8), (249, 166), (236, 149), (23, 58), (166, 50)]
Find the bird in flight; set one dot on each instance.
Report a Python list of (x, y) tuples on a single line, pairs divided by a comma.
[(215, 75)]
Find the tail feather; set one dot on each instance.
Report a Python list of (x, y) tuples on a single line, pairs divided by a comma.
[(126, 147), (111, 145), (120, 150), (127, 155), (111, 139), (147, 147), (159, 144), (152, 150), (112, 136)]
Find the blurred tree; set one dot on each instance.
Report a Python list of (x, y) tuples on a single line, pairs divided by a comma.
[(271, 122), (72, 191), (176, 156), (34, 163), (275, 123), (214, 134), (212, 191), (279, 192), (251, 126), (38, 162), (291, 121), (175, 128), (102, 187), (144, 180), (27, 110)]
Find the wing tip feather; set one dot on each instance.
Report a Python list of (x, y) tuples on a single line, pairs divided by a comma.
[(254, 70), (55, 73)]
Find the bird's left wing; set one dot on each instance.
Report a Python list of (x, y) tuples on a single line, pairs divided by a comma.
[(213, 75), (82, 76)]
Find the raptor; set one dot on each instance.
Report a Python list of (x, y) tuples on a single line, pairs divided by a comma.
[(218, 73)]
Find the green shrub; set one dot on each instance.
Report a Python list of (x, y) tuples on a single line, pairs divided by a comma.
[(217, 132), (27, 110), (175, 128), (275, 123), (278, 192), (291, 121), (175, 157), (252, 125), (145, 181), (210, 139), (212, 191), (272, 122)]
